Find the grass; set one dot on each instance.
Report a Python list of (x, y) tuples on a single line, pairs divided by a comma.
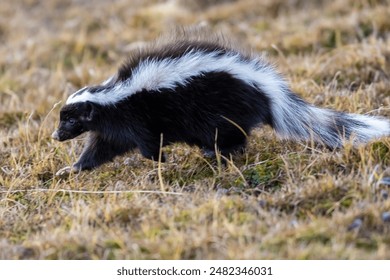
[(280, 200)]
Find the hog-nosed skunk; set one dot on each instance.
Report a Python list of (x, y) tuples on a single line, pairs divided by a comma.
[(200, 90)]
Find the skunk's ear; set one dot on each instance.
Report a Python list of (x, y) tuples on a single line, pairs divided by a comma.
[(88, 111)]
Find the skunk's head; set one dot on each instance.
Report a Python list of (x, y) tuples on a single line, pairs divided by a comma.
[(75, 119)]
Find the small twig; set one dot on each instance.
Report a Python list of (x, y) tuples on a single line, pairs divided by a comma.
[(15, 202), (159, 173), (46, 117), (236, 125), (90, 192)]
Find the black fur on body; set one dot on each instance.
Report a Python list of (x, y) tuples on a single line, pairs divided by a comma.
[(214, 110), (201, 92)]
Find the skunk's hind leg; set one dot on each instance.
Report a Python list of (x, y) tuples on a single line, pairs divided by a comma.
[(231, 142), (151, 150), (227, 144)]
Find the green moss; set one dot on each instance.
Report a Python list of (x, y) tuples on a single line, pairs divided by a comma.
[(346, 202), (264, 175)]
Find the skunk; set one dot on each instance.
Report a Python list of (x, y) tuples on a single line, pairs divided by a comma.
[(202, 91)]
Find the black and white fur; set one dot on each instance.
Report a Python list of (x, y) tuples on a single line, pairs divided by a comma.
[(201, 91)]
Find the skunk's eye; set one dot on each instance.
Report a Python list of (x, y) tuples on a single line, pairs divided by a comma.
[(71, 121)]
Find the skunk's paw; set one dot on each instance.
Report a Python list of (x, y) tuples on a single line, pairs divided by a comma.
[(66, 171)]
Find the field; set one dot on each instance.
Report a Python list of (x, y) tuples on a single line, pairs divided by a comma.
[(279, 200)]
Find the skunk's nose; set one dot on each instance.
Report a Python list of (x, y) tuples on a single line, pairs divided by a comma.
[(55, 135)]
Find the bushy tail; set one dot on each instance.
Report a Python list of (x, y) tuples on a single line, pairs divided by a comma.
[(293, 118)]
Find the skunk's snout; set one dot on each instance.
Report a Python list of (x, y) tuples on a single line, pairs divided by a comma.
[(63, 135), (55, 136)]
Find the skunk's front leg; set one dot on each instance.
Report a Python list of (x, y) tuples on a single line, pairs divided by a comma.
[(96, 152)]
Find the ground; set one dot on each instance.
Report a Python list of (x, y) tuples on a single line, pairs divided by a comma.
[(279, 200)]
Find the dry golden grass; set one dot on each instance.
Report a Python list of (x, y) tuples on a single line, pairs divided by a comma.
[(280, 200)]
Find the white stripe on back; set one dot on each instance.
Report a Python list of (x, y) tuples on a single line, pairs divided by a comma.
[(152, 74)]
